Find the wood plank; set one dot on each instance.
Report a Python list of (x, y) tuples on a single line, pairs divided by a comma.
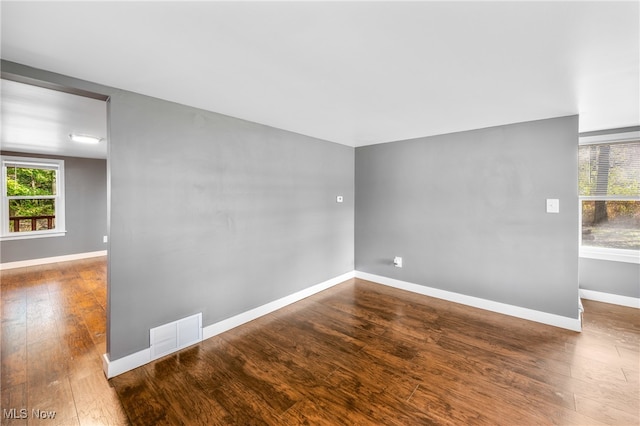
[(48, 363), (309, 412), (141, 400), (267, 389), (602, 411), (14, 400), (54, 397), (354, 394), (96, 402), (189, 401), (13, 353)]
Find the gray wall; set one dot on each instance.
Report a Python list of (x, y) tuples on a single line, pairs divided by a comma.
[(85, 209), (610, 277), (466, 211), (212, 214), (217, 215)]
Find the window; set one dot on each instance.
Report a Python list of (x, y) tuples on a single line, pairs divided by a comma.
[(609, 190), (32, 198)]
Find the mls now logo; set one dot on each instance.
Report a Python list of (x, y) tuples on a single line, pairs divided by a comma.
[(23, 413), (14, 413), (40, 414)]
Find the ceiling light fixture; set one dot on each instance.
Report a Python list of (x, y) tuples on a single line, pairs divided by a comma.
[(84, 138)]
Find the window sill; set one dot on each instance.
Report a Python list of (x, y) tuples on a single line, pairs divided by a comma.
[(31, 235), (614, 255)]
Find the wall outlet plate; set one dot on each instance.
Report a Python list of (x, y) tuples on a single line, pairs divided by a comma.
[(553, 205), (339, 199)]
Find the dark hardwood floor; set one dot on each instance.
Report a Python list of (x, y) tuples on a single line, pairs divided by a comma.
[(53, 336), (357, 354)]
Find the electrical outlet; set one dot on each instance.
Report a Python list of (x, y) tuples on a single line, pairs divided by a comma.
[(105, 239), (397, 262), (339, 199)]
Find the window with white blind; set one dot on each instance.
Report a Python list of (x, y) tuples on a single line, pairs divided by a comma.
[(32, 198), (609, 192)]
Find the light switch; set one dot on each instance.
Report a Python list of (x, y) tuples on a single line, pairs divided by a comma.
[(553, 205)]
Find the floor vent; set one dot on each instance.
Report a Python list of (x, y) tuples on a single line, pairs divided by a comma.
[(176, 335)]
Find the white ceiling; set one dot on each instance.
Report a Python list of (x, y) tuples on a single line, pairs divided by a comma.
[(38, 120), (355, 73)]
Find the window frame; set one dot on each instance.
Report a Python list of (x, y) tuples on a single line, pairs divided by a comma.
[(59, 198), (606, 253)]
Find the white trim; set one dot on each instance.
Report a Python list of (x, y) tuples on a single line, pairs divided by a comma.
[(124, 364), (614, 255), (609, 198), (235, 321), (34, 234), (615, 299), (138, 359), (609, 138), (573, 324), (47, 260), (59, 198)]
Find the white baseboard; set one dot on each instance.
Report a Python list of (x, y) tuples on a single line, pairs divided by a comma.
[(615, 299), (124, 364), (573, 324), (47, 260), (138, 359), (229, 323)]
